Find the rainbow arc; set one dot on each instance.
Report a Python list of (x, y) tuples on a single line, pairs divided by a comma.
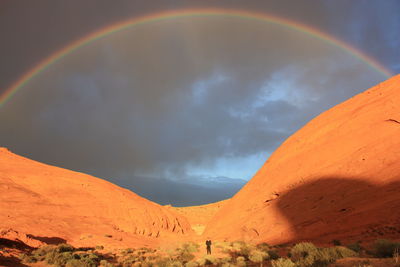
[(167, 15)]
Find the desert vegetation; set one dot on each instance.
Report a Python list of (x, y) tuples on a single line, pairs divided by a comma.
[(63, 255), (228, 254)]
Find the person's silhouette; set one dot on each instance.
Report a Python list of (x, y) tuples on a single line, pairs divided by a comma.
[(208, 244)]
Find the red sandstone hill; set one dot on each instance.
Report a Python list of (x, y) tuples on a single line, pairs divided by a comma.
[(336, 178), (43, 203)]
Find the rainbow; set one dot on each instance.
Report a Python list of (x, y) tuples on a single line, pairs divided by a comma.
[(160, 16)]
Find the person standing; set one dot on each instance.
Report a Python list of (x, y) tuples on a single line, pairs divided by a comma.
[(208, 244)]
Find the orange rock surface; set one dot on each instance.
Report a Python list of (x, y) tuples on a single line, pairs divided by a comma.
[(47, 204), (336, 178)]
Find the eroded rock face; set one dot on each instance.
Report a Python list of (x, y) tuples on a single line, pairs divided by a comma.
[(57, 204), (336, 178)]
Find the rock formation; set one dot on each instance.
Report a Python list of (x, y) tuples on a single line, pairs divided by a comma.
[(52, 205), (336, 178)]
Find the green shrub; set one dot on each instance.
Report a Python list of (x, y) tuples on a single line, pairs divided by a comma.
[(330, 255), (237, 248), (343, 252), (207, 260), (240, 261), (162, 262), (355, 247), (59, 259), (127, 251), (191, 264), (74, 263), (104, 263), (308, 255), (273, 255), (336, 242), (190, 247), (258, 256), (62, 255), (304, 254), (384, 248), (224, 260), (64, 248), (240, 248), (185, 256), (282, 262), (128, 261), (263, 247), (40, 253), (184, 253), (27, 258), (83, 262), (175, 263)]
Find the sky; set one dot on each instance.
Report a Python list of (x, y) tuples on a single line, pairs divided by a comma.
[(182, 111)]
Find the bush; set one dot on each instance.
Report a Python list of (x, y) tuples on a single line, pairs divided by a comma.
[(185, 257), (73, 263), (336, 242), (175, 263), (282, 262), (304, 254), (40, 253), (273, 255), (224, 260), (184, 254), (263, 247), (258, 256), (190, 247), (62, 255), (330, 255), (355, 247), (237, 248), (125, 262), (384, 248), (191, 264), (127, 251), (308, 255), (64, 248), (104, 263), (207, 260), (27, 259), (240, 261), (343, 252), (240, 248)]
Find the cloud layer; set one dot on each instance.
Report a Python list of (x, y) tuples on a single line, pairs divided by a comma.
[(165, 108)]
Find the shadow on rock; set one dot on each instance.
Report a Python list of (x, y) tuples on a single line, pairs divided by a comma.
[(48, 240), (334, 207)]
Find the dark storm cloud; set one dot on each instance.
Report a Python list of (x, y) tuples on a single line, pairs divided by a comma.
[(183, 193), (156, 108), (372, 26), (33, 29)]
